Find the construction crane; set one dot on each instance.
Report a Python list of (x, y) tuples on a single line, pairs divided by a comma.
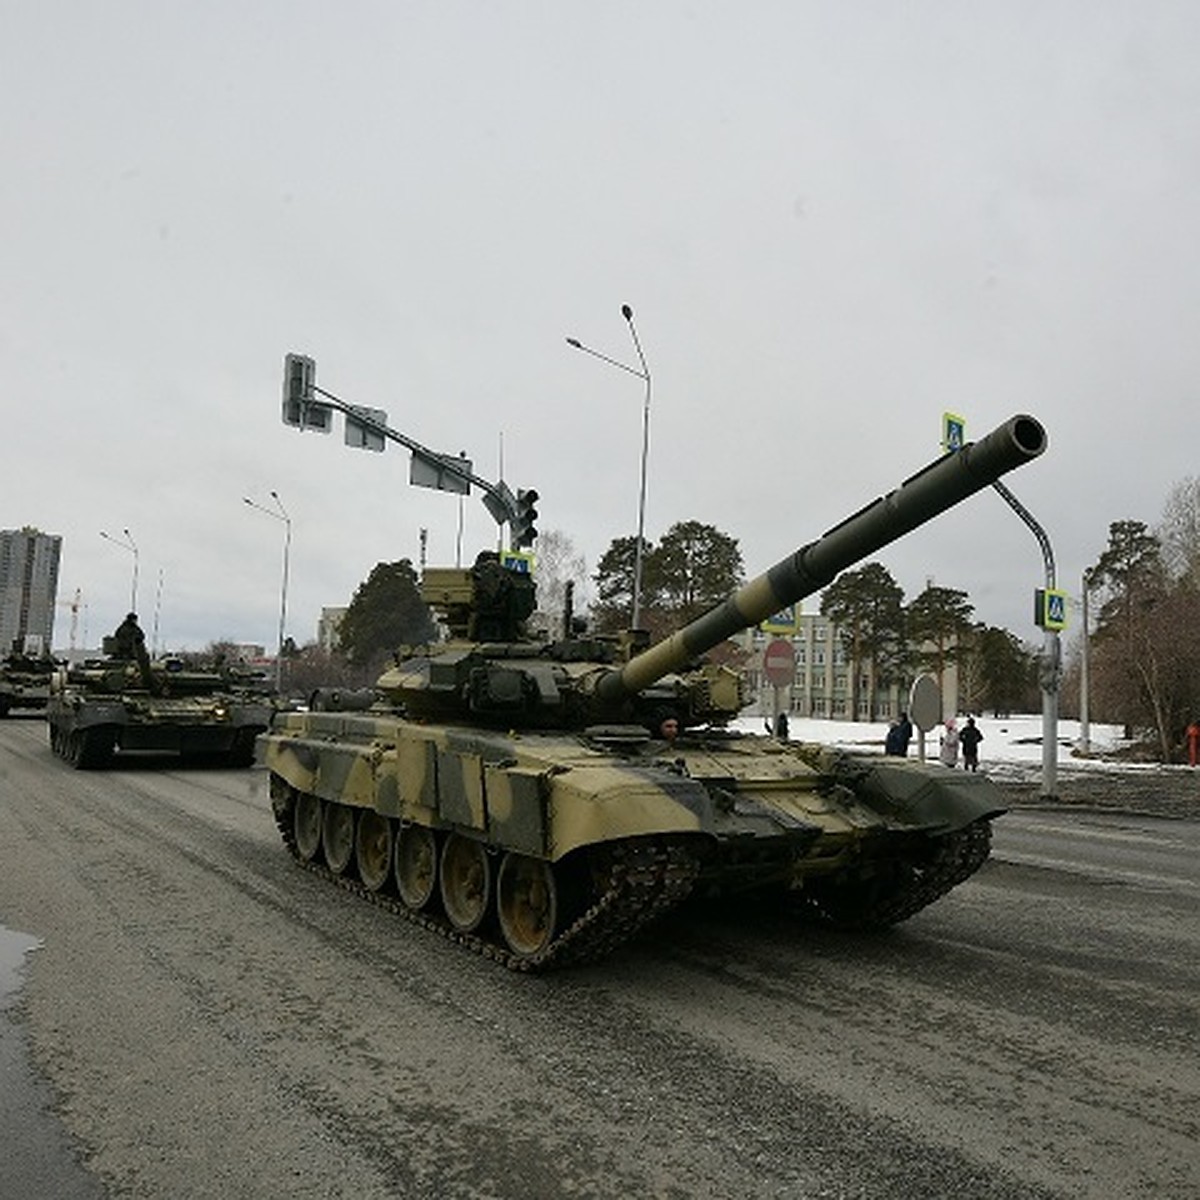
[(74, 605)]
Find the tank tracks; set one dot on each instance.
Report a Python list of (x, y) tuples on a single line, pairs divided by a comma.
[(635, 882), (85, 749), (957, 856)]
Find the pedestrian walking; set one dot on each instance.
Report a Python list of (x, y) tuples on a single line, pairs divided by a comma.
[(899, 734), (891, 741), (949, 751), (969, 740)]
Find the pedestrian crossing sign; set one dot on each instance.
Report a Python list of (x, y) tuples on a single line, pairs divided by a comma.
[(954, 432), (518, 561), (786, 620), (1050, 609)]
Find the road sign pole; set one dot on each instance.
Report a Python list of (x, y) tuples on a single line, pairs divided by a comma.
[(954, 435), (1050, 667)]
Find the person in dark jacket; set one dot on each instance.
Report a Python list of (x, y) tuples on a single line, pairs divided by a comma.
[(891, 743), (899, 734), (968, 741)]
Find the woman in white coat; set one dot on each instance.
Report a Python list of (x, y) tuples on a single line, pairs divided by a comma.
[(949, 751)]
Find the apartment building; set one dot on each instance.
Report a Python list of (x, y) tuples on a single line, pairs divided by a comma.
[(28, 588)]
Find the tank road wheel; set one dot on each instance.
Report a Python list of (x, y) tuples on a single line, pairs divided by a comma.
[(416, 865), (306, 826), (337, 836), (466, 880), (373, 849), (527, 902)]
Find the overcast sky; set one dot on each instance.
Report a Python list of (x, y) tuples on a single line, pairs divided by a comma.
[(834, 222)]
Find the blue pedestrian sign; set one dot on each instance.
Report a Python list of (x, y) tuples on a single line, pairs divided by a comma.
[(954, 432), (517, 561), (787, 620), (1050, 609)]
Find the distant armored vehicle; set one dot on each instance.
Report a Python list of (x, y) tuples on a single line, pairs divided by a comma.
[(126, 702), (540, 802), (25, 681)]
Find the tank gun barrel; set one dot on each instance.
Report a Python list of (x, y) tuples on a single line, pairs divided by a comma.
[(933, 490)]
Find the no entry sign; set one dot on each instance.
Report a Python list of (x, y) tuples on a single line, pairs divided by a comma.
[(779, 662)]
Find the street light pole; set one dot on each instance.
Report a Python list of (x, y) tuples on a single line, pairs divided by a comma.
[(1085, 729), (643, 374), (280, 515), (130, 545)]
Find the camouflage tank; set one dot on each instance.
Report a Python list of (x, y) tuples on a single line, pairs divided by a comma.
[(516, 796), (25, 681), (126, 702)]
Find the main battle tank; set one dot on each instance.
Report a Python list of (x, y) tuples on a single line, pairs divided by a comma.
[(514, 796), (25, 681), (127, 702)]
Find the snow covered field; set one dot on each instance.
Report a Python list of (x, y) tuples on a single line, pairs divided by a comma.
[(1011, 748)]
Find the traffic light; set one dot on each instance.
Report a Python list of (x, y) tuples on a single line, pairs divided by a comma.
[(523, 531), (300, 405)]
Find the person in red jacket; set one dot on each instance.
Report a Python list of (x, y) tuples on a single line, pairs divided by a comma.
[(1193, 737)]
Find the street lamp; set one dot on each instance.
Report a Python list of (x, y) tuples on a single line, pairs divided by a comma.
[(280, 514), (643, 374), (130, 545)]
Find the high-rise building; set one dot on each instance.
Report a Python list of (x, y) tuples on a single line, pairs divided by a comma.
[(28, 588), (328, 627)]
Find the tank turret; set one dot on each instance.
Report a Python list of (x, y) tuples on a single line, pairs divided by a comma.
[(541, 801)]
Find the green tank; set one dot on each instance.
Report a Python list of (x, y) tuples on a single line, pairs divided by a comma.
[(126, 702), (25, 681), (519, 796)]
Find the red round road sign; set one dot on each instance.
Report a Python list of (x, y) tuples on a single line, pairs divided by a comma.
[(779, 663)]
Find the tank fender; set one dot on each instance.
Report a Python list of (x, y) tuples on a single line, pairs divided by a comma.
[(613, 801), (362, 776), (922, 794)]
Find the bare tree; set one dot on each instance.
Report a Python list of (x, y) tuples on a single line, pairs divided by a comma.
[(558, 564)]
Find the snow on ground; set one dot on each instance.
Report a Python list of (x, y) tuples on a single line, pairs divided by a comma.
[(1011, 745)]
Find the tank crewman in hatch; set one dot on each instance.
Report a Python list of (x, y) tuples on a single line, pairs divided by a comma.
[(665, 725), (130, 642), (129, 638)]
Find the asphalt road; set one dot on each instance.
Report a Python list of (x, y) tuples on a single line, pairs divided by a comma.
[(212, 1021)]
